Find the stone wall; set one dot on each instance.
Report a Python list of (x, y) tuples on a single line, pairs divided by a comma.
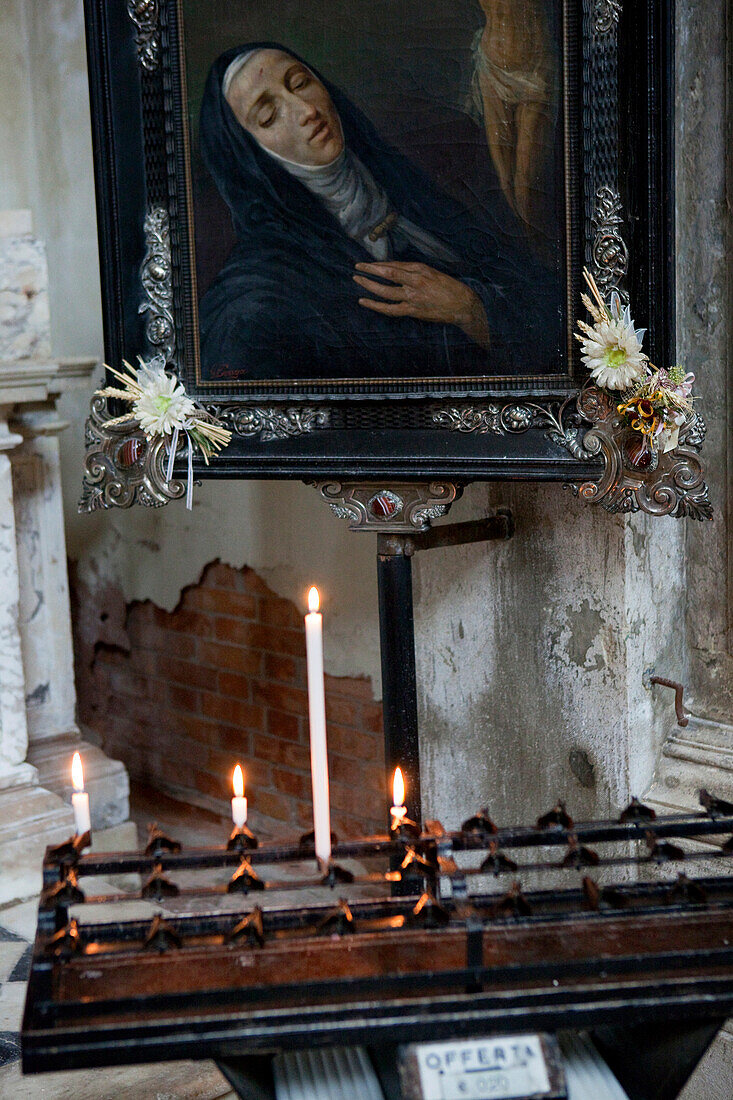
[(705, 329), (184, 695), (532, 657)]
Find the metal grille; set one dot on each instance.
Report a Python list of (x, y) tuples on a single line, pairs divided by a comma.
[(376, 416), (156, 166)]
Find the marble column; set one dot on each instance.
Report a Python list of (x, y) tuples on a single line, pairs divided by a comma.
[(13, 726), (45, 618)]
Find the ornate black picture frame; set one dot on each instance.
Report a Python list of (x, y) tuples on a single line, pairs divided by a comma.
[(617, 118)]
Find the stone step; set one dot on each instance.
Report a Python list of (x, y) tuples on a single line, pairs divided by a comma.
[(31, 818), (698, 755), (106, 780)]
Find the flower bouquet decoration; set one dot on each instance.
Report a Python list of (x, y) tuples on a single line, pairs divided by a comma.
[(655, 403), (162, 408)]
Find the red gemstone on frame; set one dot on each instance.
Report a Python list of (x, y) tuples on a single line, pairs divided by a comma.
[(130, 452), (637, 452), (384, 505)]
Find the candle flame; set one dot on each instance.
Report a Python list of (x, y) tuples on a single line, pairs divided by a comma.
[(314, 599), (238, 782), (398, 788), (77, 773)]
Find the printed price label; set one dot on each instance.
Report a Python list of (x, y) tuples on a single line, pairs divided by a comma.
[(504, 1068)]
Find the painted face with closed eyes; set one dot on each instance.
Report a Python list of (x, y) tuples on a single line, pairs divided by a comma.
[(287, 110)]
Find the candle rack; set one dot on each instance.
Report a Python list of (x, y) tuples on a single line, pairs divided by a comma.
[(544, 926)]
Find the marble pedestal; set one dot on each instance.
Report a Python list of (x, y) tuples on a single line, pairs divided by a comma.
[(106, 780), (31, 818), (696, 756)]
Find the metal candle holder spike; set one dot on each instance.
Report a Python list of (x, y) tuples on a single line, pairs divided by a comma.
[(241, 839), (68, 852), (159, 842), (244, 879), (406, 830), (472, 937)]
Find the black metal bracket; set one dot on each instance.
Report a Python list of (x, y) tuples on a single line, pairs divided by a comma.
[(498, 526), (397, 636)]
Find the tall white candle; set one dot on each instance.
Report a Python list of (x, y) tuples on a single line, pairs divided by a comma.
[(239, 802), (317, 716), (80, 798)]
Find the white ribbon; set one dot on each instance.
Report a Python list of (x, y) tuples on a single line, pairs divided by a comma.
[(172, 457), (172, 454), (189, 486)]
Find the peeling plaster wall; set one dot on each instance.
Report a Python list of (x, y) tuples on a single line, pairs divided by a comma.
[(279, 529), (531, 655), (183, 696)]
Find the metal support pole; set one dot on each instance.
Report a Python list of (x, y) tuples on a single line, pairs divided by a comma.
[(397, 637), (399, 683)]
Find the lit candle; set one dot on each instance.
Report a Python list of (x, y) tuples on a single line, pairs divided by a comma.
[(239, 802), (398, 810), (317, 716), (80, 798)]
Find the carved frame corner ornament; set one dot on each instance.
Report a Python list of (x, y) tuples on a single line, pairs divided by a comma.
[(588, 426), (145, 14), (559, 418), (672, 484), (393, 508), (123, 467)]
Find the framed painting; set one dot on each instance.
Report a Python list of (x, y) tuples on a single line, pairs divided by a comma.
[(356, 229)]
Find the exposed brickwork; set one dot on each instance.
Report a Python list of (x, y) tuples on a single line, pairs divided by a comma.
[(182, 696)]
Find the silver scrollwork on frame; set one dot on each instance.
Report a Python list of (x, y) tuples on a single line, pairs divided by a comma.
[(587, 426), (607, 14), (145, 14), (610, 254), (271, 422), (390, 508), (156, 275), (123, 467), (560, 421), (671, 484)]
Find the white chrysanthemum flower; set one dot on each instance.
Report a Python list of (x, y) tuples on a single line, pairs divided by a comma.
[(612, 351), (163, 404)]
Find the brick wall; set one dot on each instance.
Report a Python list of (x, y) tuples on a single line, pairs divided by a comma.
[(182, 696)]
